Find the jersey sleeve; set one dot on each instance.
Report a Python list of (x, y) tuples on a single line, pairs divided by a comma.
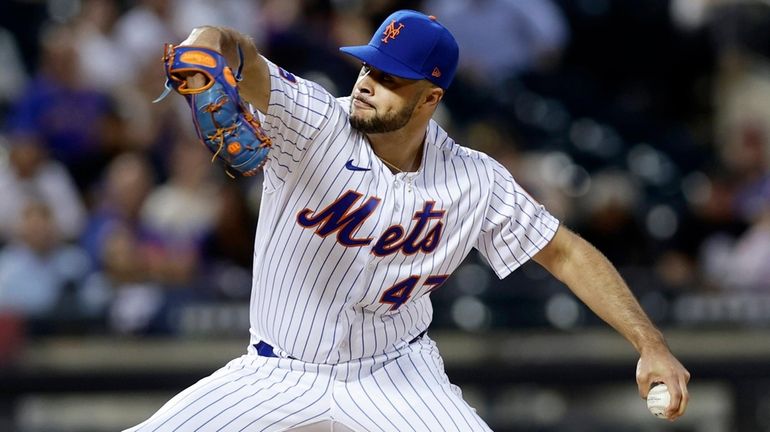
[(298, 111), (515, 226)]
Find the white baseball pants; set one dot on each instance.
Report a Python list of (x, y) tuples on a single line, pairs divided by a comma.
[(403, 391)]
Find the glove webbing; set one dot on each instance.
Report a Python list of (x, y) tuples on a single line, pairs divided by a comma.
[(167, 85)]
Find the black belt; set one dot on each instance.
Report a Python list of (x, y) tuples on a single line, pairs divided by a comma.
[(264, 349), (416, 338)]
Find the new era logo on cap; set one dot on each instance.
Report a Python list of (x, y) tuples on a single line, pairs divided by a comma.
[(412, 45)]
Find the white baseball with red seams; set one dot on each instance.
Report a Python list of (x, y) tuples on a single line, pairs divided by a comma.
[(658, 400)]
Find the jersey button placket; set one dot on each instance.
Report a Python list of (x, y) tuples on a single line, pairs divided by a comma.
[(409, 179), (397, 184)]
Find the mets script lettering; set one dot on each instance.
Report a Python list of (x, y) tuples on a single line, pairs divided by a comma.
[(391, 31), (342, 218)]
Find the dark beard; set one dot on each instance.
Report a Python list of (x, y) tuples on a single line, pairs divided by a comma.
[(383, 124)]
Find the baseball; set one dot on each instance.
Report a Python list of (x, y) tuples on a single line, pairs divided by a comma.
[(658, 399)]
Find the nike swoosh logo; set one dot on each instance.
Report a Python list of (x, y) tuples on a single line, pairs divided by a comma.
[(352, 167)]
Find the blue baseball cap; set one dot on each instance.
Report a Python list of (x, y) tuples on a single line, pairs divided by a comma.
[(412, 45)]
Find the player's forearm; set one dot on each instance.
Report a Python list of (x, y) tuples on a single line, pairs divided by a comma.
[(255, 84), (597, 283)]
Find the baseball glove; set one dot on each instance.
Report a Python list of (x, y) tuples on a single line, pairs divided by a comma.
[(223, 122)]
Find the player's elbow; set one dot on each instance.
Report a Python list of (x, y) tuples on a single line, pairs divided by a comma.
[(564, 253)]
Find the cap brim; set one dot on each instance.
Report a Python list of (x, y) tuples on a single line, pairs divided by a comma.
[(381, 61)]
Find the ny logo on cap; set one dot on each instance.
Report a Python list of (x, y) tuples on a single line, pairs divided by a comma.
[(391, 31)]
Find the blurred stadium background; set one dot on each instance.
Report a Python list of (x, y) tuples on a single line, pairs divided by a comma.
[(644, 125)]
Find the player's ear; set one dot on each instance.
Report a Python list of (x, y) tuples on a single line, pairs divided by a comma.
[(433, 95)]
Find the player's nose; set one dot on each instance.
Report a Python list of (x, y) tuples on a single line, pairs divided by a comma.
[(365, 85)]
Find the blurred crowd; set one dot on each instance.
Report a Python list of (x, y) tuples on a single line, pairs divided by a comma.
[(643, 125)]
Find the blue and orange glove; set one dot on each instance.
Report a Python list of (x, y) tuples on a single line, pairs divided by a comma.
[(223, 122)]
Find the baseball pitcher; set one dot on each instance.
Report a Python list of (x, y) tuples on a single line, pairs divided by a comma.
[(368, 207)]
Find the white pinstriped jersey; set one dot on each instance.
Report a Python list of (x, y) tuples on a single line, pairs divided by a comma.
[(347, 253)]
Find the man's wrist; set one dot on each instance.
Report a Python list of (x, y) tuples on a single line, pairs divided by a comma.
[(651, 341), (206, 37)]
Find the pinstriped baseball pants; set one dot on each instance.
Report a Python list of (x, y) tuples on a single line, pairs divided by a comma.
[(404, 391)]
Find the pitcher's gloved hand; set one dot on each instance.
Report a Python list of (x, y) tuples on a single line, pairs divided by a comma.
[(223, 122)]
